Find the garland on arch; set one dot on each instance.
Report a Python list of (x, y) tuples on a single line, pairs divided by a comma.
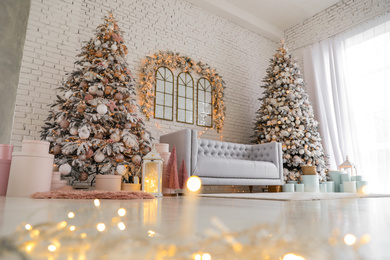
[(186, 64)]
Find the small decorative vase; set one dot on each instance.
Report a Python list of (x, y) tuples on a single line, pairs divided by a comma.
[(131, 187), (108, 182)]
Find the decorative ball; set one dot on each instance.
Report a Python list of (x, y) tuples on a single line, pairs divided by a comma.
[(82, 157), (133, 109), (57, 149), (136, 159), (89, 153), (83, 176), (99, 54), (114, 47), (121, 169), (102, 109), (118, 96), (107, 90), (145, 136), (98, 43), (115, 137), (99, 157), (128, 125), (93, 89), (110, 58), (99, 135), (84, 84), (122, 78), (80, 108), (73, 131), (88, 97), (99, 93), (64, 124), (68, 94), (105, 45), (84, 134), (119, 157), (105, 80), (65, 169)]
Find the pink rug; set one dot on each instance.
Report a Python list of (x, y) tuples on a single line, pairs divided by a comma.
[(70, 193)]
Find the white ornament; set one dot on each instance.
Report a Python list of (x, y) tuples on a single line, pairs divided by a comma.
[(121, 169), (65, 169), (115, 137), (68, 94), (73, 131), (99, 157), (105, 45), (114, 47), (84, 133), (145, 136), (136, 159), (98, 43), (301, 151), (102, 109), (301, 127), (93, 89)]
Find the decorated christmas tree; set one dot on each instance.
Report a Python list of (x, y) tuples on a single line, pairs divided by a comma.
[(286, 116), (93, 125)]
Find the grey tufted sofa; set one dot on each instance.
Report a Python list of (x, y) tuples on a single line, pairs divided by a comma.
[(224, 163)]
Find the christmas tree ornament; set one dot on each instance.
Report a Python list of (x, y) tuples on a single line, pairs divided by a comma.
[(64, 124), (115, 137), (100, 93), (119, 157), (83, 84), (99, 54), (93, 89), (65, 169), (83, 176), (145, 136), (127, 125), (57, 149), (84, 133), (121, 169), (88, 97), (98, 135), (73, 131), (89, 153), (136, 159), (107, 90), (82, 157), (99, 157), (98, 43), (118, 96), (114, 47), (122, 78), (102, 109), (81, 108)]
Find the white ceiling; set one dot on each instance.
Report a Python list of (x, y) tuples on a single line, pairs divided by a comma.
[(267, 17)]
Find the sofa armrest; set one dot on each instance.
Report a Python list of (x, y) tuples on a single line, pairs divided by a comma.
[(182, 141), (269, 152)]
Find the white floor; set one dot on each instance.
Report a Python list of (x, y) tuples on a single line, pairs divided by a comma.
[(315, 227)]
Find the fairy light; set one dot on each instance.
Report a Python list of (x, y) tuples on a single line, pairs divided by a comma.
[(121, 226), (194, 183), (151, 233), (101, 227), (121, 212), (83, 235), (71, 215), (206, 256), (197, 257), (291, 256), (349, 239), (96, 202), (29, 247), (52, 248), (28, 227), (72, 228)]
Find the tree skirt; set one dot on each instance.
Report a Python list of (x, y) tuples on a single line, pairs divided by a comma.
[(69, 193)]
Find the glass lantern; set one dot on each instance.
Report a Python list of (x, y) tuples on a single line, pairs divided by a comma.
[(152, 168), (348, 167)]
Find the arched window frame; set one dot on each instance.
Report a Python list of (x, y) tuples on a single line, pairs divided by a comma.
[(186, 98), (200, 85), (166, 69)]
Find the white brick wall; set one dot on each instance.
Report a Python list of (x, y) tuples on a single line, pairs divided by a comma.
[(56, 30)]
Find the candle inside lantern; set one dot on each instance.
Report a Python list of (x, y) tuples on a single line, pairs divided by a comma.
[(151, 177)]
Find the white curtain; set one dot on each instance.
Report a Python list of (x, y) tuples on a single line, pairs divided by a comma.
[(351, 77)]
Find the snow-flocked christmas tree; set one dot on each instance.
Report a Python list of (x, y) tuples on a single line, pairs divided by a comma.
[(286, 116), (93, 127)]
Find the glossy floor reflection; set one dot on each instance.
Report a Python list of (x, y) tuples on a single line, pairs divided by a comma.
[(178, 220)]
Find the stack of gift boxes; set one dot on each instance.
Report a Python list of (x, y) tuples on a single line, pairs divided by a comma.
[(340, 181)]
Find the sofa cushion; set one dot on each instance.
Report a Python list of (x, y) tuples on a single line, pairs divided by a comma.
[(207, 166)]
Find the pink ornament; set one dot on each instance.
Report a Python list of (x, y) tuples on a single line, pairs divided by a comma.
[(88, 97)]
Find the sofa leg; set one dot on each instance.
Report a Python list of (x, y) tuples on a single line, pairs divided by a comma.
[(250, 189)]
